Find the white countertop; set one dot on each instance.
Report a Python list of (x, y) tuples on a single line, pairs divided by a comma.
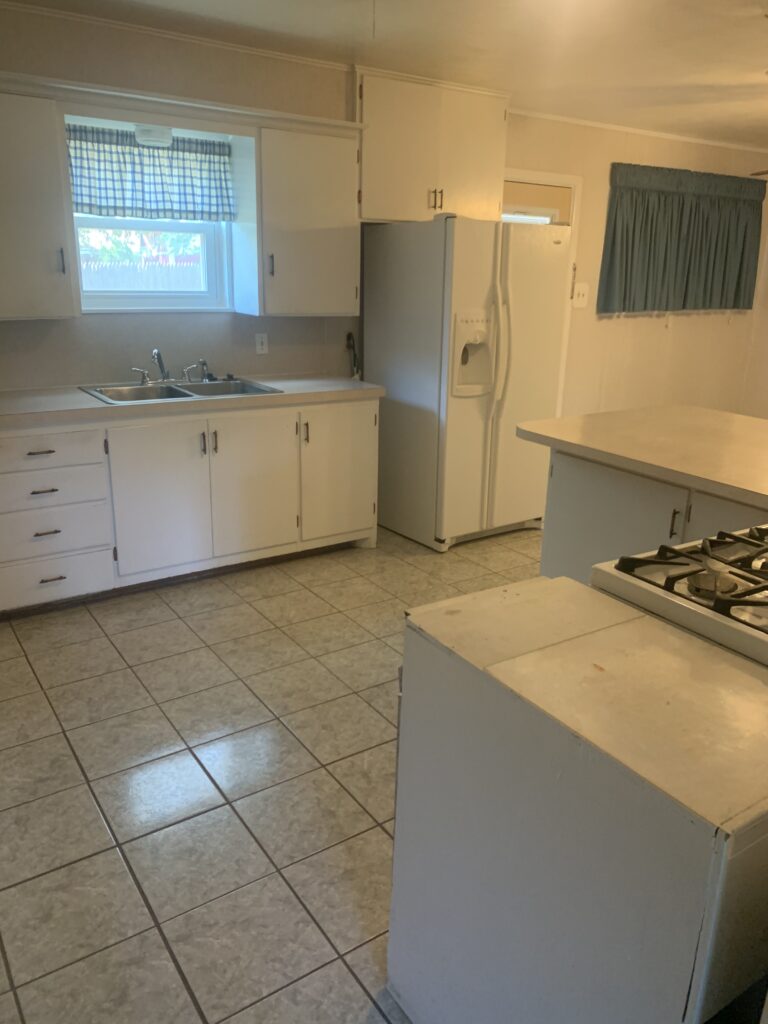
[(721, 453), (679, 711), (61, 406)]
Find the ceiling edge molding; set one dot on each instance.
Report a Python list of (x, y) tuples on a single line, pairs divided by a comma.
[(187, 37), (629, 129), (80, 96), (363, 69)]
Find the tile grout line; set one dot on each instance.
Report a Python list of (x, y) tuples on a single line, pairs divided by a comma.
[(230, 803), (129, 868)]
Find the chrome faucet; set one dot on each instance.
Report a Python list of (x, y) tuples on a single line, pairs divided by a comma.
[(203, 366), (157, 357)]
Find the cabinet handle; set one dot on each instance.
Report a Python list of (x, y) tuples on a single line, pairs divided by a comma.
[(203, 442), (271, 264), (673, 523), (46, 490), (433, 204), (45, 533), (63, 261), (441, 200), (215, 440), (43, 451), (52, 579), (306, 431)]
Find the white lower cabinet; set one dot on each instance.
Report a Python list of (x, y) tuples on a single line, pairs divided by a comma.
[(595, 513), (254, 480), (162, 494), (339, 468), (708, 514), (192, 491)]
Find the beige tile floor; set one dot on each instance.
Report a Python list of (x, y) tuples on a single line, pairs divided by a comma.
[(197, 790)]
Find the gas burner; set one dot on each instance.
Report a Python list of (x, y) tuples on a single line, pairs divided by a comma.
[(710, 584)]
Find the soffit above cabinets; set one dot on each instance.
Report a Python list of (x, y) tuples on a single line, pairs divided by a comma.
[(694, 68)]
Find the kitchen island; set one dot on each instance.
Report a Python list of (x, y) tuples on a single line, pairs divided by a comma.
[(582, 815), (625, 482)]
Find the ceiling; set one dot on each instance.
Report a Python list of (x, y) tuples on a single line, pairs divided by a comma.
[(688, 67)]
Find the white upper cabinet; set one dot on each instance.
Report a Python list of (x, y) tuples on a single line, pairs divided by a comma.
[(254, 480), (38, 264), (429, 149), (310, 227), (339, 468)]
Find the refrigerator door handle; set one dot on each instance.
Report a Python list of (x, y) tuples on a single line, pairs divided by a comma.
[(505, 323)]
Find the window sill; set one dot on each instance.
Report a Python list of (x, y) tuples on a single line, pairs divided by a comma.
[(154, 309)]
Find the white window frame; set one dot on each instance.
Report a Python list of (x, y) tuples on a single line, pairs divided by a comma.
[(218, 255), (530, 215)]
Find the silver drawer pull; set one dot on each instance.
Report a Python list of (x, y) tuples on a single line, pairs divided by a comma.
[(45, 533), (46, 490), (44, 451), (52, 579)]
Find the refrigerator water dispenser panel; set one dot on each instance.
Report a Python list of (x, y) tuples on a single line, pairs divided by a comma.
[(472, 354)]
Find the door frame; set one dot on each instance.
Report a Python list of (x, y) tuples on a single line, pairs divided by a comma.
[(575, 183)]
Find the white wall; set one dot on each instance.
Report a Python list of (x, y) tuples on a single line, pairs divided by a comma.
[(620, 362)]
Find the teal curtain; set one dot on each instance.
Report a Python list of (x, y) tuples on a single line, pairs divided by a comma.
[(677, 240)]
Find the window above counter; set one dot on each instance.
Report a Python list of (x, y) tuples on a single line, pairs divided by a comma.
[(152, 213), (258, 220)]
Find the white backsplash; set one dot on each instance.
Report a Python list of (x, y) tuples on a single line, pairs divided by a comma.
[(101, 347)]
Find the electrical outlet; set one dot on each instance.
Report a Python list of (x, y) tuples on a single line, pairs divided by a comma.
[(580, 295), (262, 344)]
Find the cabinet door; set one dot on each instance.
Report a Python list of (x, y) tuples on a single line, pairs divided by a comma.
[(254, 480), (339, 468), (400, 149), (162, 494), (596, 513), (310, 224), (38, 266), (473, 142), (708, 514)]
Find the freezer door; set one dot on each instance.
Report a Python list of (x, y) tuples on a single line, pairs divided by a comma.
[(535, 275), (473, 250)]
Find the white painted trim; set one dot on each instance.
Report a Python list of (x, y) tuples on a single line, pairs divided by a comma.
[(362, 69), (649, 132), (81, 99), (575, 183), (185, 37)]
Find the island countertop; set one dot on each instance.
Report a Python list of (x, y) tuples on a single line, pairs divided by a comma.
[(722, 453)]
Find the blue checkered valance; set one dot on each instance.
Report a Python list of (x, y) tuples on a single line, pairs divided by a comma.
[(113, 175)]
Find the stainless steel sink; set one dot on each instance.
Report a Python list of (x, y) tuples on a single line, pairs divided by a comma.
[(230, 387), (117, 393)]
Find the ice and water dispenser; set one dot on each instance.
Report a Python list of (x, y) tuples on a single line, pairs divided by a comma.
[(473, 355)]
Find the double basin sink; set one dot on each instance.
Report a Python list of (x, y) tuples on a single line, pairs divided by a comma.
[(116, 394)]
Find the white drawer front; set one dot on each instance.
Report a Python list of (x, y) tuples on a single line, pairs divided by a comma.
[(47, 531), (34, 451), (43, 487), (53, 579)]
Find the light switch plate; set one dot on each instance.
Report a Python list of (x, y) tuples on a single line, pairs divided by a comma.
[(580, 295), (262, 344)]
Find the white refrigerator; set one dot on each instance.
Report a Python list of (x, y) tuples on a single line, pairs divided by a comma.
[(464, 325)]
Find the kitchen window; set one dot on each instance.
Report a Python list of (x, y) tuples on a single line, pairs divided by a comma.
[(152, 218)]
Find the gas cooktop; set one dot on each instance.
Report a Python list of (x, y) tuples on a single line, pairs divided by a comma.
[(717, 587)]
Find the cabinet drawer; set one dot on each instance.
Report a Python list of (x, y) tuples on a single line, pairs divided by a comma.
[(35, 451), (43, 487), (47, 531), (53, 579)]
